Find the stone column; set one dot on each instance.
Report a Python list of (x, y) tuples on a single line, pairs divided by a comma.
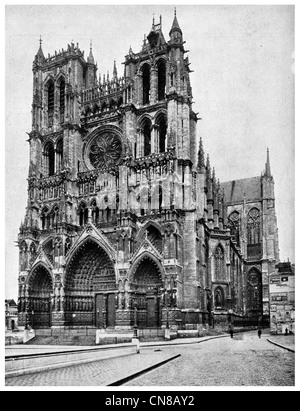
[(153, 85)]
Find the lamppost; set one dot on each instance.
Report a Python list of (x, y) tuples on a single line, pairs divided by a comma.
[(135, 338)]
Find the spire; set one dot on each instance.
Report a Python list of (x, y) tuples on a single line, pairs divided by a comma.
[(115, 73), (40, 55), (90, 58), (201, 160), (268, 166), (175, 25)]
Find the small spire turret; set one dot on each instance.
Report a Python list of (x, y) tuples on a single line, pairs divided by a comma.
[(175, 26), (268, 166), (90, 58), (115, 73), (39, 57)]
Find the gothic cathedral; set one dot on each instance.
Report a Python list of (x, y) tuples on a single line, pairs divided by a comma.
[(126, 220)]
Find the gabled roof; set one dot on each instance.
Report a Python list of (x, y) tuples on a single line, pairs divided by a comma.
[(11, 303), (248, 189)]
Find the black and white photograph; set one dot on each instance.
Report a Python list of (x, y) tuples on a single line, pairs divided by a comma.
[(149, 156)]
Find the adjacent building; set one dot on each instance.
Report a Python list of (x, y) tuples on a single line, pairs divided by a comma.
[(126, 218), (282, 299), (11, 315)]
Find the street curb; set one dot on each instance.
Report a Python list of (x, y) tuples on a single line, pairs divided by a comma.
[(166, 344), (142, 372), (281, 346)]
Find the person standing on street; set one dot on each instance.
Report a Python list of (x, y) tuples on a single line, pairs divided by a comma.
[(231, 332), (259, 333)]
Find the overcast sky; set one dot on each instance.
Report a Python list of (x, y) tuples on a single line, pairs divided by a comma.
[(243, 89)]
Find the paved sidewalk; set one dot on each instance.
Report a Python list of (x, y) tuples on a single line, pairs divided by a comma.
[(285, 341)]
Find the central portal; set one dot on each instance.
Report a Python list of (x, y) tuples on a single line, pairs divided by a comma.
[(90, 287)]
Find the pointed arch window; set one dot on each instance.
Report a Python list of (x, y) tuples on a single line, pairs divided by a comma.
[(62, 86), (219, 257), (253, 227), (162, 133), (234, 225), (49, 159), (83, 214), (59, 155), (55, 217), (50, 103), (146, 84), (161, 72), (146, 131)]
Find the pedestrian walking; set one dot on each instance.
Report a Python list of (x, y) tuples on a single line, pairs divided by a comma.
[(286, 331), (259, 333), (231, 332)]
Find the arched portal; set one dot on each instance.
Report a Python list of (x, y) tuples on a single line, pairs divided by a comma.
[(254, 293), (40, 289), (90, 287), (147, 282)]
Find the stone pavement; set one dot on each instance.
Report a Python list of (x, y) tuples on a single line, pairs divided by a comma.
[(244, 360), (97, 373)]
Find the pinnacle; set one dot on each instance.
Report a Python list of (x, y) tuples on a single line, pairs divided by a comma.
[(175, 25), (268, 166), (201, 159), (40, 53), (90, 58)]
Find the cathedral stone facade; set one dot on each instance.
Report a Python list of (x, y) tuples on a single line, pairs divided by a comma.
[(126, 221)]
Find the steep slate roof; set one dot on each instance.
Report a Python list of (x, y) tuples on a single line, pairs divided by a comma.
[(238, 190)]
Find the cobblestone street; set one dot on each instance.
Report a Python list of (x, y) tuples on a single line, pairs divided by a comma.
[(97, 373), (244, 360)]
